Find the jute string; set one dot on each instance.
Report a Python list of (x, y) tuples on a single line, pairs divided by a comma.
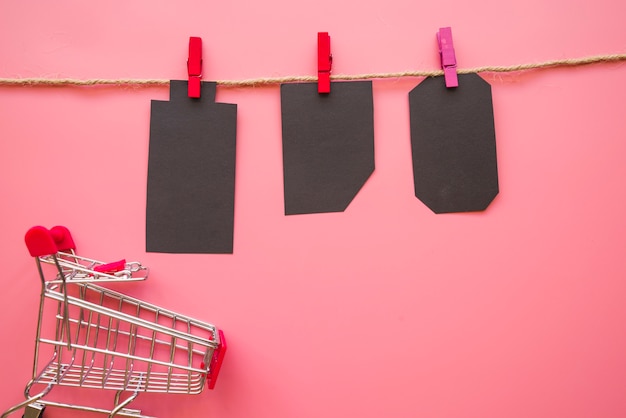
[(267, 81)]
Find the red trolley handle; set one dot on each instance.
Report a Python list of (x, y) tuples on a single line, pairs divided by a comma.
[(41, 241)]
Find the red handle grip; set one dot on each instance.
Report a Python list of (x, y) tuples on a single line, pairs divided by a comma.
[(63, 238), (41, 241)]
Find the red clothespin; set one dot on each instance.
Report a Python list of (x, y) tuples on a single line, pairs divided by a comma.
[(324, 62), (194, 67), (448, 58)]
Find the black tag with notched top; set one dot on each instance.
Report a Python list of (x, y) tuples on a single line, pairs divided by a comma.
[(328, 145), (191, 173), (454, 144)]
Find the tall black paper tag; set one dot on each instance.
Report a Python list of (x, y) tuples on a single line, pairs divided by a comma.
[(328, 145), (191, 173), (454, 144)]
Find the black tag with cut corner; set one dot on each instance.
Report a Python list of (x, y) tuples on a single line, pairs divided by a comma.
[(328, 145)]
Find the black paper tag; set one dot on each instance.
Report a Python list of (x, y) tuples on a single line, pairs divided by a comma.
[(328, 145), (191, 173), (454, 144)]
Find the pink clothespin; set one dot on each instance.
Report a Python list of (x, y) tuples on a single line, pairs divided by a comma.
[(194, 67), (448, 58), (324, 62)]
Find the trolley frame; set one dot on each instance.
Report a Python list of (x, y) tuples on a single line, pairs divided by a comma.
[(105, 339)]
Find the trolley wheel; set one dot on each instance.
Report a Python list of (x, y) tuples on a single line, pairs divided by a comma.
[(34, 410)]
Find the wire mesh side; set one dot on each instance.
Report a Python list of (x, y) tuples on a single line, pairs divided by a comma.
[(121, 343)]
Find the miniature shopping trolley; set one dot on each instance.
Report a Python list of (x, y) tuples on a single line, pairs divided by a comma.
[(93, 337)]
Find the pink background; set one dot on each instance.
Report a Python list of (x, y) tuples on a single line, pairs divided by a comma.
[(386, 309)]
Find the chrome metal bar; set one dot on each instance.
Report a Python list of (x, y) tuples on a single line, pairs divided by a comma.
[(142, 337), (121, 405), (29, 399), (39, 319), (127, 356), (151, 307), (106, 353), (139, 321), (189, 354), (130, 413), (65, 304), (87, 336), (154, 339), (21, 405), (172, 354)]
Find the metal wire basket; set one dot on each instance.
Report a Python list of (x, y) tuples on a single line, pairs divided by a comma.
[(93, 337)]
